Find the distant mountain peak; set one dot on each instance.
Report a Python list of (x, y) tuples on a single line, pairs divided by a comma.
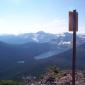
[(40, 32)]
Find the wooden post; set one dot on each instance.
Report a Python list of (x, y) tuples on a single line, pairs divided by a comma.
[(73, 26), (74, 48)]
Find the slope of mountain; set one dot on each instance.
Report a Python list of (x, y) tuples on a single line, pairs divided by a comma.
[(38, 52), (64, 59), (13, 58), (19, 59)]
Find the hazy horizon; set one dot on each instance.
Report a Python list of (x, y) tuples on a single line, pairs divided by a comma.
[(39, 31)]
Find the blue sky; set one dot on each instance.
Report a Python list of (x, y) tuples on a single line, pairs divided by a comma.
[(24, 16)]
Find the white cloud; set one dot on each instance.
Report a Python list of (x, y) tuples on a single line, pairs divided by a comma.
[(13, 27), (57, 26), (54, 26), (24, 26)]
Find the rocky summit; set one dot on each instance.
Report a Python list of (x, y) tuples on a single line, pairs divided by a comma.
[(57, 78)]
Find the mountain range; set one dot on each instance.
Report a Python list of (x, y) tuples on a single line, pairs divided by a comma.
[(32, 53), (41, 37)]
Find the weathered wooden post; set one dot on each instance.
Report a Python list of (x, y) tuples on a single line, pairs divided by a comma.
[(73, 26)]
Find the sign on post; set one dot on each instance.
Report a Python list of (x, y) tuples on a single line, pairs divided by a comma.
[(73, 26), (73, 22)]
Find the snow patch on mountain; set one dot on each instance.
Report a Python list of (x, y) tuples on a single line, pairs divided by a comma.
[(64, 43)]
